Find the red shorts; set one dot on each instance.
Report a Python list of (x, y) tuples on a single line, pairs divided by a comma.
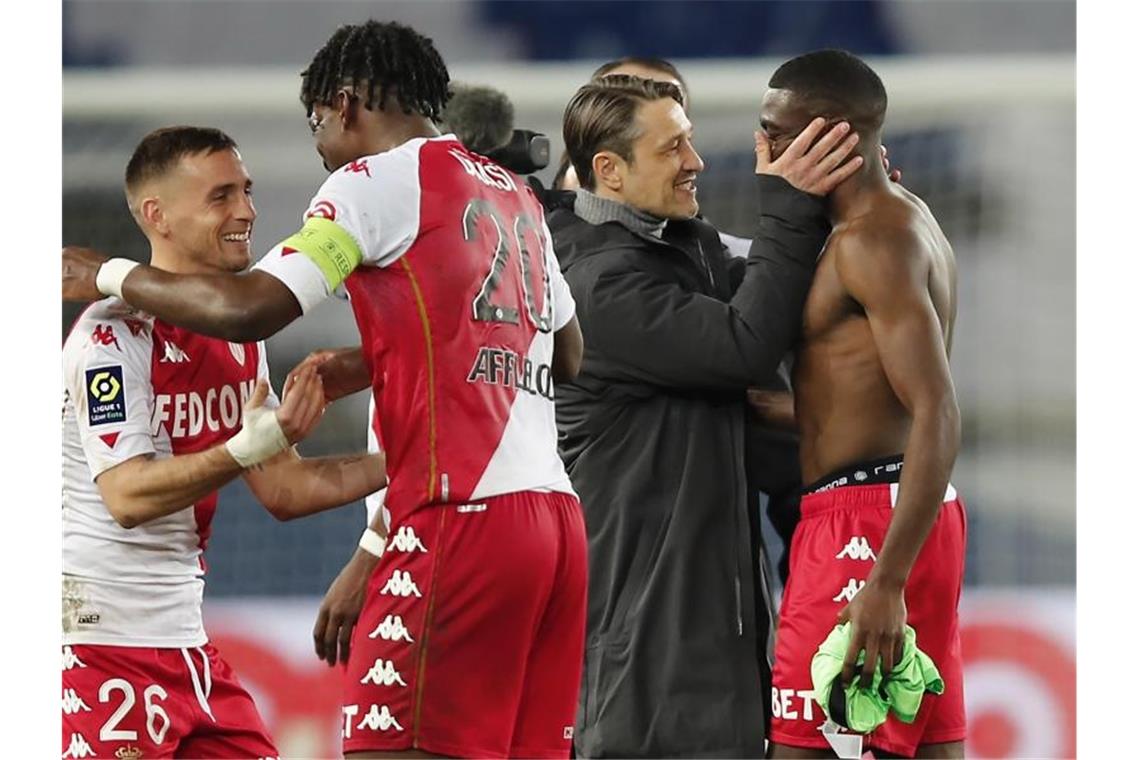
[(125, 702), (833, 549), (471, 638)]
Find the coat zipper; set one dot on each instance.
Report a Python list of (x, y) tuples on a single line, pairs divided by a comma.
[(739, 611)]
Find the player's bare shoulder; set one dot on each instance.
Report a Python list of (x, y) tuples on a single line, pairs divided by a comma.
[(896, 251)]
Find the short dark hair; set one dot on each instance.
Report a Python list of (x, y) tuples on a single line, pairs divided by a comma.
[(380, 59), (481, 117), (602, 116), (842, 84), (162, 149)]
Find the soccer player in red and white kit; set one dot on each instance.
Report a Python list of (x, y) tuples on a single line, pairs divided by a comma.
[(471, 638), (153, 425)]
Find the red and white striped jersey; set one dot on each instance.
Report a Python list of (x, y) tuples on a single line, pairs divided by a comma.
[(135, 386), (457, 294)]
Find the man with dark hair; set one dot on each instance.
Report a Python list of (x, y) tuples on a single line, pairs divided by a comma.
[(462, 648), (658, 69), (480, 117), (646, 67), (152, 427), (878, 546), (653, 427)]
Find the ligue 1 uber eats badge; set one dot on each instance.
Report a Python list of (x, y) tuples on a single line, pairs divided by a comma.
[(105, 402)]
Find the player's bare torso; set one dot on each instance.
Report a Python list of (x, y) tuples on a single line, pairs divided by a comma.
[(846, 410)]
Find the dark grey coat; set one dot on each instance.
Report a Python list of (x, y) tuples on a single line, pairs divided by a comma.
[(653, 435)]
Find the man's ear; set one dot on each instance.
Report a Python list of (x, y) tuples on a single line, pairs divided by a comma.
[(152, 215), (345, 108), (609, 171)]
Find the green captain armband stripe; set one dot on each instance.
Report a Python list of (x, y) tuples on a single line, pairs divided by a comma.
[(328, 246)]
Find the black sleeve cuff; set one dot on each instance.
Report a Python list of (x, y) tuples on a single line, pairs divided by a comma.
[(778, 198)]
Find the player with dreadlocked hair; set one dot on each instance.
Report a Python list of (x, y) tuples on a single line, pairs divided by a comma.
[(462, 623), (380, 58)]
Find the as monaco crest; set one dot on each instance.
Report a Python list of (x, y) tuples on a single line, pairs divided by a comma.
[(238, 351)]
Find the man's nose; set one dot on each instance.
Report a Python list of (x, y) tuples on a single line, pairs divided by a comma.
[(246, 210), (693, 162)]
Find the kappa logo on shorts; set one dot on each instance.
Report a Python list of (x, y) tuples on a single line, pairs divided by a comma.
[(70, 660), (379, 718), (401, 584), (78, 748), (106, 402), (406, 541), (849, 591), (567, 732), (383, 673), (392, 629), (72, 703), (857, 548)]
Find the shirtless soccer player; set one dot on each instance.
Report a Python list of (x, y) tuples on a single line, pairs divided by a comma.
[(879, 545), (466, 324), (152, 427)]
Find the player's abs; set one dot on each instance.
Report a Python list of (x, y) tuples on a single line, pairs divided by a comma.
[(845, 409)]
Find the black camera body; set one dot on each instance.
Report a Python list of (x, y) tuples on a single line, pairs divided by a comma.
[(525, 153)]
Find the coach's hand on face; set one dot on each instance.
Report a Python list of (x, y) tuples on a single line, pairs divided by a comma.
[(878, 627), (80, 268), (813, 165)]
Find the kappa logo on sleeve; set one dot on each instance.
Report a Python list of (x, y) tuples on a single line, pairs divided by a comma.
[(106, 402)]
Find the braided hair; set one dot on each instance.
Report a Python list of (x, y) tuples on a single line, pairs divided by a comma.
[(377, 59)]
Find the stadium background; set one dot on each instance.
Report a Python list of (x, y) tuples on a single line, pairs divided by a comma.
[(982, 123)]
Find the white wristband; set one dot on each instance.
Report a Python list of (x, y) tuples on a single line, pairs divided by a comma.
[(372, 542), (109, 278), (260, 437)]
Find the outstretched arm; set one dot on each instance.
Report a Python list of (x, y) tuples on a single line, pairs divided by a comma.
[(887, 272), (654, 331), (238, 307), (142, 488), (291, 486)]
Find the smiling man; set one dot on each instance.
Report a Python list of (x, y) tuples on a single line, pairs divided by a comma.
[(153, 426), (466, 325), (653, 428)]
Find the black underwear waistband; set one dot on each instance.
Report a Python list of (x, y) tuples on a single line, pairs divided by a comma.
[(873, 472)]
